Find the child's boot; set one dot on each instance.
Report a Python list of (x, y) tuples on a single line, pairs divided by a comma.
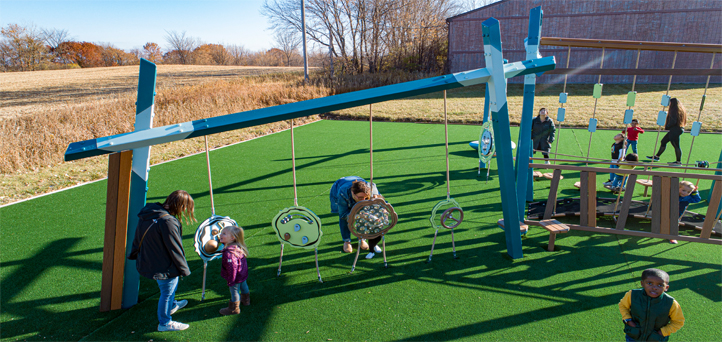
[(246, 299), (232, 309)]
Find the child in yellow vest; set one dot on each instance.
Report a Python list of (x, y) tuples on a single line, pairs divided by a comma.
[(649, 314)]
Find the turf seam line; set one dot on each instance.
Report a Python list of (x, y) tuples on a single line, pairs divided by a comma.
[(163, 162)]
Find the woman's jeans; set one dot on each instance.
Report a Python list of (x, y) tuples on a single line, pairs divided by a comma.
[(166, 302), (345, 233), (235, 288)]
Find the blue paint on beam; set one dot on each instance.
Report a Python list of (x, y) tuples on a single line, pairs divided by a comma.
[(153, 136), (500, 120)]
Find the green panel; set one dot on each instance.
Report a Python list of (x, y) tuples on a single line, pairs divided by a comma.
[(631, 97), (597, 90)]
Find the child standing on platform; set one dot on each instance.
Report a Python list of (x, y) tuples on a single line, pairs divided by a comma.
[(234, 268), (633, 133), (649, 314), (617, 151)]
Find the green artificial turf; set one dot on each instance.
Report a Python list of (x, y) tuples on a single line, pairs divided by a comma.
[(52, 251)]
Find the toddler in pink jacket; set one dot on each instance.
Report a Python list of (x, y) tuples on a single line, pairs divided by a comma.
[(234, 268)]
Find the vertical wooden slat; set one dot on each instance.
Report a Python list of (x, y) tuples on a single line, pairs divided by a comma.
[(583, 198), (714, 201), (656, 203), (592, 202), (626, 202), (674, 206), (664, 212), (111, 212), (551, 202), (121, 228)]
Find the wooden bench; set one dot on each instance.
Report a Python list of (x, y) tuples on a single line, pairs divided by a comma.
[(550, 175), (524, 227), (554, 227), (647, 183)]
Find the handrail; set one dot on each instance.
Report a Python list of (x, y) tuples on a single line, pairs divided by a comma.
[(655, 165), (626, 171), (631, 44)]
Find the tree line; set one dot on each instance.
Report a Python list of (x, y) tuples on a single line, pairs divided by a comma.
[(28, 48)]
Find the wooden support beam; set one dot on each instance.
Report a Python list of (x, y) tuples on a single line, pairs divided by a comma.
[(626, 202), (592, 202), (644, 234), (656, 200), (664, 208), (116, 225), (631, 45), (674, 206), (639, 72), (714, 202), (584, 198), (552, 201), (628, 171)]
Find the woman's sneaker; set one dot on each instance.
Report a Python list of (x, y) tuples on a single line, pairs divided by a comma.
[(655, 158), (377, 249), (370, 255), (178, 305), (173, 326)]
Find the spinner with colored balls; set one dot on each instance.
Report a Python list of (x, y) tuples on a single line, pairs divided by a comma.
[(298, 227), (371, 218)]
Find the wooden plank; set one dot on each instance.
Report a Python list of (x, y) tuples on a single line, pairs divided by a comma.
[(630, 171), (630, 72), (664, 208), (627, 202), (709, 220), (592, 202), (111, 213), (551, 202), (552, 237), (583, 198), (631, 45), (656, 204), (523, 226), (674, 206), (121, 228), (645, 234)]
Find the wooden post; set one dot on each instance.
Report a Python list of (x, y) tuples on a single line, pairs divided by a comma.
[(583, 198), (674, 206), (116, 224), (592, 202), (714, 203), (656, 200), (627, 202), (552, 201), (664, 208)]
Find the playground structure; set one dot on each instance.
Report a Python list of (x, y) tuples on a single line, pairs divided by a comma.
[(127, 181)]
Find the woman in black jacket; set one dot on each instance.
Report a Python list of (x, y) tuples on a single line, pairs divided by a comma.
[(542, 133), (158, 251), (676, 120)]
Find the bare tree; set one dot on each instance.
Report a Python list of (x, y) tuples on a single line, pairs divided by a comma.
[(182, 45), (53, 37), (22, 48), (470, 5), (288, 42), (239, 54)]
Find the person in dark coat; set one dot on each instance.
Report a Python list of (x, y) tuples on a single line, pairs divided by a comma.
[(542, 133), (158, 251), (675, 122)]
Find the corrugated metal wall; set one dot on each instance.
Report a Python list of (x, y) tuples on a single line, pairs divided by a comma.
[(692, 21)]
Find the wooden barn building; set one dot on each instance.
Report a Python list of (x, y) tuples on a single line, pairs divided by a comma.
[(686, 21)]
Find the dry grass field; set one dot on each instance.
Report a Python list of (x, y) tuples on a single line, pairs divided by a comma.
[(40, 91), (42, 112)]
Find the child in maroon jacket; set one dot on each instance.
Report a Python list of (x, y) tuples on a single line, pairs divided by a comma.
[(235, 268), (633, 133)]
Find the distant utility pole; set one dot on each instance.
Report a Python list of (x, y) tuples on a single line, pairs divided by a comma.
[(303, 33)]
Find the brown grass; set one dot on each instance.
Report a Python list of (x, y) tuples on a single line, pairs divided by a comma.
[(46, 110)]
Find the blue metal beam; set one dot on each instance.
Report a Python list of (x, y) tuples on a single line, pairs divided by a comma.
[(502, 135), (139, 176), (186, 130), (524, 180)]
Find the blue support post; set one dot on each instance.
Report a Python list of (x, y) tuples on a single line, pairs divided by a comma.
[(500, 120), (139, 176), (524, 176)]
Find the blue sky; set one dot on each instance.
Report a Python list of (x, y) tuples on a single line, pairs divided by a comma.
[(130, 24)]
